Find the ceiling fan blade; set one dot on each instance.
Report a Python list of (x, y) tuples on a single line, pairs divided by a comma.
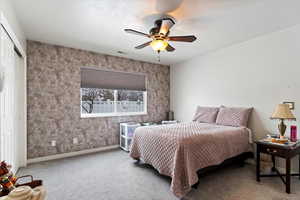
[(166, 25), (136, 32), (143, 45), (170, 48), (188, 38)]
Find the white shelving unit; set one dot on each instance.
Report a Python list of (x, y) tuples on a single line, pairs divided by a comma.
[(126, 134)]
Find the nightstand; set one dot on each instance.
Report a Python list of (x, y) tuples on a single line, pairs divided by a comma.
[(286, 152)]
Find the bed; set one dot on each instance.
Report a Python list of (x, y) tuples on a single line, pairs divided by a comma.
[(180, 150)]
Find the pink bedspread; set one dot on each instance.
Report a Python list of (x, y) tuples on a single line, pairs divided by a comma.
[(180, 150)]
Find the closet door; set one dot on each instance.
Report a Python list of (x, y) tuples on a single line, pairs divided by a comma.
[(8, 139), (20, 108)]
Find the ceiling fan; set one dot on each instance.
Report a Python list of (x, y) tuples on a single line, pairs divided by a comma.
[(160, 36)]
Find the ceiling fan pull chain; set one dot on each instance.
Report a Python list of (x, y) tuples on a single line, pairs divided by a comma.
[(158, 56)]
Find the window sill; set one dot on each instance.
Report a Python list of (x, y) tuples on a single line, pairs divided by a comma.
[(111, 115)]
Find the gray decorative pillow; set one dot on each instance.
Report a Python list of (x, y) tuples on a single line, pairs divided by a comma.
[(233, 116), (206, 114)]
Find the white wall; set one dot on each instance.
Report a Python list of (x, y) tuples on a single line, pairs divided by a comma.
[(258, 73), (9, 13)]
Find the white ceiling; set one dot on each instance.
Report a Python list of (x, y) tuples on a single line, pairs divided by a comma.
[(97, 25)]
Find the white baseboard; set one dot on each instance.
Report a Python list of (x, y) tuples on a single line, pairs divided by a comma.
[(71, 154)]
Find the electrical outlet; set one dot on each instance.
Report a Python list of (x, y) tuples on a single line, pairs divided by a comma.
[(53, 143), (75, 140)]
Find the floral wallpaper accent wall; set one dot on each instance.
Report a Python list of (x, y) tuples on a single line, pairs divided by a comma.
[(53, 81)]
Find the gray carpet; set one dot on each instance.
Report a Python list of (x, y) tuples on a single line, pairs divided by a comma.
[(114, 176)]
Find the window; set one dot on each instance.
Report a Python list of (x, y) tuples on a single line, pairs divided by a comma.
[(94, 100), (106, 93), (130, 101)]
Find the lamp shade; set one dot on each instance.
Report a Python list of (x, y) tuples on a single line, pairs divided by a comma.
[(283, 111)]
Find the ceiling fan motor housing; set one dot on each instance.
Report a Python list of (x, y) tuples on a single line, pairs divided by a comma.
[(162, 26), (154, 31)]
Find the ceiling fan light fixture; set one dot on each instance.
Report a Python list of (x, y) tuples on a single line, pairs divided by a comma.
[(159, 36), (159, 45)]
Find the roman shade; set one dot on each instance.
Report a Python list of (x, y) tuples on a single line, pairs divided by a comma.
[(94, 78)]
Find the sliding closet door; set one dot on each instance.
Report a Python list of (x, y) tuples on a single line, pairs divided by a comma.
[(20, 108), (8, 110)]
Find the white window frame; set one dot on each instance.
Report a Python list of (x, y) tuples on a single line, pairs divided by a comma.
[(114, 114)]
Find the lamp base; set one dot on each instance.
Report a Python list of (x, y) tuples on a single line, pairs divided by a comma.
[(282, 128)]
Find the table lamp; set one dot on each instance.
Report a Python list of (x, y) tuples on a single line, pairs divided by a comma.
[(282, 112)]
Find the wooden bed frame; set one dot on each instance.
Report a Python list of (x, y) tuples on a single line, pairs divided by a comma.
[(240, 160)]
